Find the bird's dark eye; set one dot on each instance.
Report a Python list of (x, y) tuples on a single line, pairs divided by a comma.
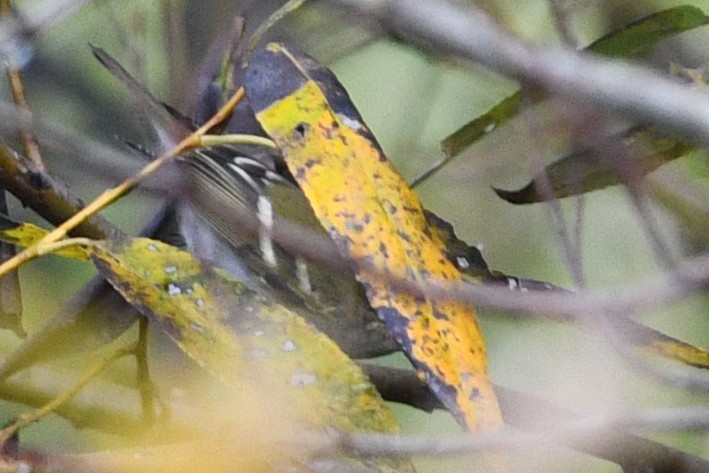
[(300, 129)]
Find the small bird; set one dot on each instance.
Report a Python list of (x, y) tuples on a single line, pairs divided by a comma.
[(236, 192), (225, 215)]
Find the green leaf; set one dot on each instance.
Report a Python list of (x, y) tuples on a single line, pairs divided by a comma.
[(246, 341), (652, 341), (629, 41), (27, 234), (498, 115), (580, 172), (639, 35)]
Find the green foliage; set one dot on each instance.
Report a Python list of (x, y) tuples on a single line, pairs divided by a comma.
[(638, 36), (629, 41), (581, 172)]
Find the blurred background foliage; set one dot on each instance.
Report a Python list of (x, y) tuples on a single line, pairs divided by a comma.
[(411, 101)]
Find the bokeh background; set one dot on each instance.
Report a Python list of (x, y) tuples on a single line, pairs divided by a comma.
[(411, 100)]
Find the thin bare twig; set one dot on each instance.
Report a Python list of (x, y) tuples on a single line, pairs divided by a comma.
[(10, 290), (599, 435), (411, 445), (430, 171), (29, 141), (287, 8), (639, 196), (579, 207), (570, 251), (98, 366), (686, 278), (532, 413), (622, 160), (145, 384), (561, 11)]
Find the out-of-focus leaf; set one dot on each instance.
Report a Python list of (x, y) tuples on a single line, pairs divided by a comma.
[(638, 36), (660, 344), (580, 172), (377, 222), (631, 40), (167, 285), (248, 342)]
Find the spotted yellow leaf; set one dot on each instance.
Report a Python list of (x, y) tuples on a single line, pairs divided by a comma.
[(377, 222)]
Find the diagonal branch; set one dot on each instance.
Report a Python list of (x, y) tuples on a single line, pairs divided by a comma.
[(461, 30), (46, 195)]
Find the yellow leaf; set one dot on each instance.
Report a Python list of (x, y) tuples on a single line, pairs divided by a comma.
[(376, 221), (256, 347), (27, 234)]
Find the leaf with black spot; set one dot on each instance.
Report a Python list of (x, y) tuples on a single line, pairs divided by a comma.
[(377, 222)]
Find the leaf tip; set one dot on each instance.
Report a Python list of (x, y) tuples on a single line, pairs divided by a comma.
[(525, 195)]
